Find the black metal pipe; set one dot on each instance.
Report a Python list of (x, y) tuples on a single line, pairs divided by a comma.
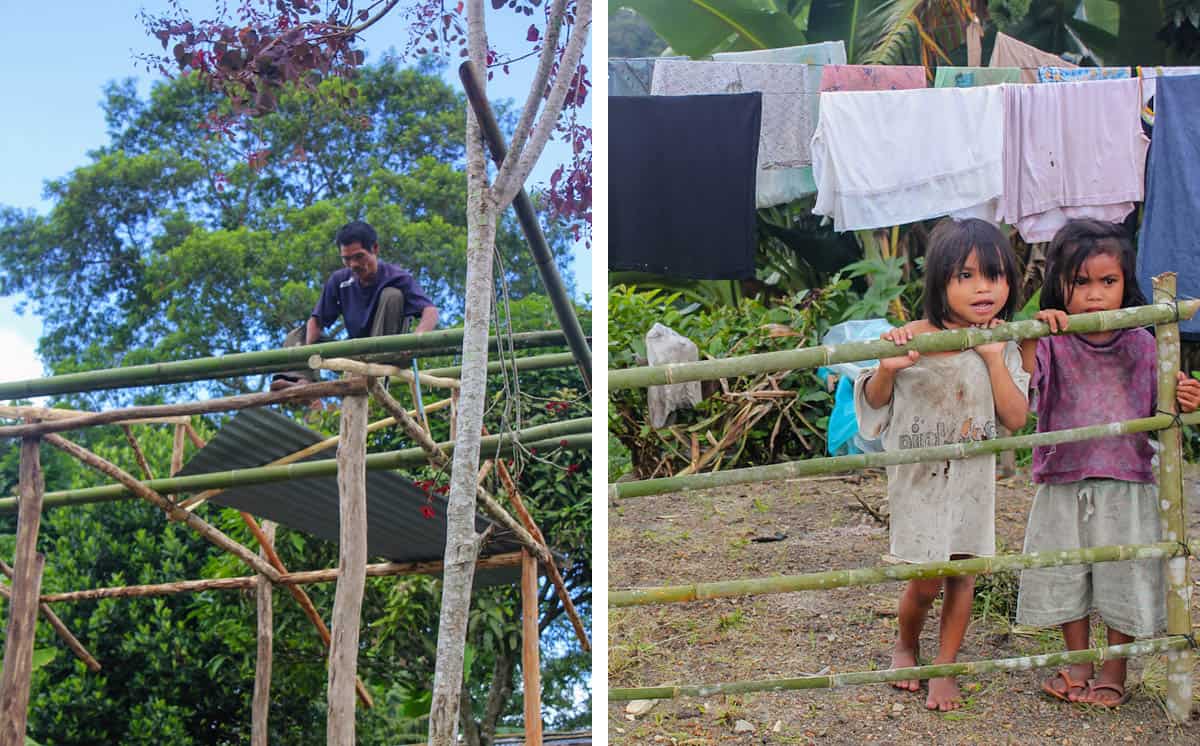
[(563, 309)]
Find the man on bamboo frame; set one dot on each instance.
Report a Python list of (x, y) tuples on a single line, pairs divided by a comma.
[(374, 298)]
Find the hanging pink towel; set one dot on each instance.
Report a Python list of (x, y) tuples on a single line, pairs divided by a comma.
[(1071, 150), (872, 77)]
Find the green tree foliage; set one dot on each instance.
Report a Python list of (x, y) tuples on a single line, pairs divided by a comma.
[(184, 238), (177, 240)]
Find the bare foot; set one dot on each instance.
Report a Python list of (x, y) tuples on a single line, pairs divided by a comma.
[(944, 695), (905, 659)]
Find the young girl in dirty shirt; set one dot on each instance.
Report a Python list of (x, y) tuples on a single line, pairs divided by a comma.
[(946, 509), (1094, 492)]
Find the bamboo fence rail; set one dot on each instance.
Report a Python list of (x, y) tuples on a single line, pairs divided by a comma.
[(820, 581), (853, 678), (266, 361), (1174, 550), (571, 434), (850, 352), (831, 464)]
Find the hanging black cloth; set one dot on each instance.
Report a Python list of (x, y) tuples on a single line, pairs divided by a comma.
[(681, 184)]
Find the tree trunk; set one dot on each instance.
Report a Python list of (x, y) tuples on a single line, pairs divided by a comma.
[(352, 563)]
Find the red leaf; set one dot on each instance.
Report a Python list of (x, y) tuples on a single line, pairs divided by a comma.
[(532, 34)]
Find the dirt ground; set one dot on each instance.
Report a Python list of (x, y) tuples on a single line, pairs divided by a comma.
[(709, 535)]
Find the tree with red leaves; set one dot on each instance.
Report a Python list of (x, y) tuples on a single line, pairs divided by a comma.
[(275, 42)]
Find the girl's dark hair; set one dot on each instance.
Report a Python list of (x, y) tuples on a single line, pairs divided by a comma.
[(1075, 243), (950, 244)]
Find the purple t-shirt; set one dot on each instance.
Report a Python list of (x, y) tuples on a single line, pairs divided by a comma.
[(344, 296), (1076, 383)]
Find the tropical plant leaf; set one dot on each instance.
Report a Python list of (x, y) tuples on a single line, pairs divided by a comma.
[(831, 20), (698, 27), (42, 656)]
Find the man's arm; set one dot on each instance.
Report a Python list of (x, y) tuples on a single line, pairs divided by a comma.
[(428, 322), (312, 333)]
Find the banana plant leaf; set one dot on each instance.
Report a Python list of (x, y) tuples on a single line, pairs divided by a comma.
[(698, 27), (830, 20)]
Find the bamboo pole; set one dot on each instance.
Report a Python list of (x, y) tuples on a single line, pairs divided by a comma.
[(214, 535), (265, 361), (225, 404), (260, 708), (46, 413), (531, 362), (854, 678), (352, 561), (560, 587), (22, 615), (437, 456), (571, 434), (306, 577), (379, 370), (57, 624), (944, 341), (530, 664), (827, 579), (192, 502), (828, 465), (1172, 509)]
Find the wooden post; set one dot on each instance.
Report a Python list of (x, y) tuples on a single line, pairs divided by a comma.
[(530, 663), (56, 624), (261, 707), (27, 584), (352, 563), (1172, 507)]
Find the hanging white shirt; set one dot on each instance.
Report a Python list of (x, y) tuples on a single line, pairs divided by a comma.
[(884, 158)]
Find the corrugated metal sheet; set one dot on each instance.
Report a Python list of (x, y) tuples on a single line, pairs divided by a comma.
[(396, 530)]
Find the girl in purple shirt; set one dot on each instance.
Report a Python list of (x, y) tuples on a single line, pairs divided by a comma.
[(1093, 492)]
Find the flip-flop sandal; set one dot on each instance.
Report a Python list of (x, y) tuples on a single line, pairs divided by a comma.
[(1124, 696), (1065, 675)]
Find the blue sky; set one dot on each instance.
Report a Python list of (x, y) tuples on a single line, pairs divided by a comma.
[(60, 54)]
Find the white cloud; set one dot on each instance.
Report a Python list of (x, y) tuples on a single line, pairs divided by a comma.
[(18, 358)]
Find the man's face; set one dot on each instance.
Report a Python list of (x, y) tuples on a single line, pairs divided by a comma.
[(362, 262)]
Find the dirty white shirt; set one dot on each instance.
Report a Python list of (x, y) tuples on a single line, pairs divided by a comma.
[(940, 508)]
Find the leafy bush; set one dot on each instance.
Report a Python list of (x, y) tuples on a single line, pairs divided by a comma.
[(752, 419)]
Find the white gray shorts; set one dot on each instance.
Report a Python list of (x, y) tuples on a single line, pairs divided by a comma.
[(1094, 512)]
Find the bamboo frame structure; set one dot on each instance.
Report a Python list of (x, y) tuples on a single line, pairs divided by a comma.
[(1174, 549), (41, 423), (571, 434), (266, 361)]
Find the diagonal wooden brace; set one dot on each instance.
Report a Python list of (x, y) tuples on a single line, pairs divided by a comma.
[(193, 521)]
